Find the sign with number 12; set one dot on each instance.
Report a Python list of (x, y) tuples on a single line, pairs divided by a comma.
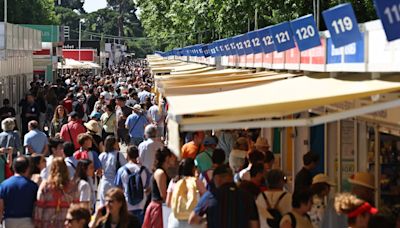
[(389, 13), (342, 24)]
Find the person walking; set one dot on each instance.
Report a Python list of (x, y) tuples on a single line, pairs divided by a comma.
[(108, 122), (149, 147), (115, 212), (35, 141), (136, 123), (111, 160), (18, 196), (129, 173), (298, 217), (165, 159), (275, 198), (59, 119), (84, 175), (70, 131), (358, 211), (227, 206), (9, 137), (55, 196), (78, 216), (303, 179)]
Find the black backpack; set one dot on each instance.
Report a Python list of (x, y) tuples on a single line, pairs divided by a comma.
[(273, 211), (135, 185)]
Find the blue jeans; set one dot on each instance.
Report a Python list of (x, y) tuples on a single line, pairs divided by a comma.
[(136, 141), (139, 214)]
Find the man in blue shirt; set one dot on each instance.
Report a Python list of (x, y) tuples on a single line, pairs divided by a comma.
[(18, 196), (35, 141), (136, 123), (227, 206)]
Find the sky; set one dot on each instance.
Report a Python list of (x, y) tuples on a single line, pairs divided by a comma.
[(93, 5)]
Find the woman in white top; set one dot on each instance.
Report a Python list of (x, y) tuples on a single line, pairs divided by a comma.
[(83, 176), (275, 197), (111, 160)]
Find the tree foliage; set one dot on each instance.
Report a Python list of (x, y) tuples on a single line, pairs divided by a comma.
[(177, 23), (30, 12)]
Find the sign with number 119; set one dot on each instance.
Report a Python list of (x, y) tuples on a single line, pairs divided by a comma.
[(342, 25)]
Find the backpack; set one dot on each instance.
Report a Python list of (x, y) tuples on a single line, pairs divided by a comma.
[(184, 198), (135, 185), (293, 219), (273, 211)]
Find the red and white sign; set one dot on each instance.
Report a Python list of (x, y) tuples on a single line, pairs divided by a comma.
[(232, 60), (250, 60), (292, 59), (85, 54), (278, 61), (314, 59), (242, 60), (258, 60), (267, 60)]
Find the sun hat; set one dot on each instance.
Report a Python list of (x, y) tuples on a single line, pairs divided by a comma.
[(262, 142), (137, 107), (322, 178), (363, 179), (93, 126)]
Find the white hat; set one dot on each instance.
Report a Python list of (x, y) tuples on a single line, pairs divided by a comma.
[(93, 126), (322, 178)]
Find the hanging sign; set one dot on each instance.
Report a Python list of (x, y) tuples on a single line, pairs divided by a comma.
[(305, 32), (240, 48), (389, 13), (248, 49), (253, 42), (266, 40), (342, 24), (282, 36)]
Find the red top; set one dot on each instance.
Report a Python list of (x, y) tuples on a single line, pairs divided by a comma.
[(68, 105), (75, 128)]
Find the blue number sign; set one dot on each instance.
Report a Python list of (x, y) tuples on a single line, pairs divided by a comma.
[(342, 24), (266, 40), (305, 32), (251, 40), (247, 44), (283, 37), (239, 44), (389, 13)]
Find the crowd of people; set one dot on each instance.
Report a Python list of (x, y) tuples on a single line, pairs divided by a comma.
[(90, 152)]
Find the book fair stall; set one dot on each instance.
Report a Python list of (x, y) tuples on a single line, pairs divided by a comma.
[(334, 92)]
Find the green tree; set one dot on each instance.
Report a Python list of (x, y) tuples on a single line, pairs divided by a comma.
[(70, 18), (30, 12)]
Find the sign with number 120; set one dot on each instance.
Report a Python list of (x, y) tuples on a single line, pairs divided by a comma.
[(389, 13), (342, 25), (306, 33)]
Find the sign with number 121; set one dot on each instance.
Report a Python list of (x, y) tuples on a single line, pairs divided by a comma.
[(283, 37), (389, 13), (342, 25), (306, 33)]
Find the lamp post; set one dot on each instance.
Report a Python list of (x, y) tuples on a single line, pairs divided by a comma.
[(79, 42)]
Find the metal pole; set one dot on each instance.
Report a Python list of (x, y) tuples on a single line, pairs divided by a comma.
[(255, 19), (79, 43), (318, 5), (5, 11)]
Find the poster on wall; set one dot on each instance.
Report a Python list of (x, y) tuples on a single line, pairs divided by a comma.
[(347, 171)]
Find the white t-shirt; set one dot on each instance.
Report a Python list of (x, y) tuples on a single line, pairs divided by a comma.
[(284, 206), (123, 176), (85, 192)]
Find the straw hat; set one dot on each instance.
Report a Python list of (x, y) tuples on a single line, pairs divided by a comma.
[(93, 125), (261, 142), (322, 178), (363, 179)]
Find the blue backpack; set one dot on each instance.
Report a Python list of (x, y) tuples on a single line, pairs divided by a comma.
[(135, 185)]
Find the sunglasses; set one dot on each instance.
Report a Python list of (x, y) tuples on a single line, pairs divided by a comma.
[(69, 221)]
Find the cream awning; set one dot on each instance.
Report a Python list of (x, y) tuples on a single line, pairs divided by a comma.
[(222, 84), (277, 98)]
